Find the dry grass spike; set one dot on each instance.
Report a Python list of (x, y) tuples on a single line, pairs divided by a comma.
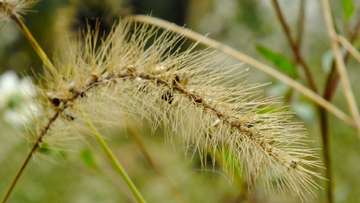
[(137, 73)]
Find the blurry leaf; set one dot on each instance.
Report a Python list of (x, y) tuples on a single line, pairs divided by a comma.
[(63, 154), (278, 89), (348, 8), (305, 111), (327, 61), (44, 148), (282, 63), (88, 158), (14, 101)]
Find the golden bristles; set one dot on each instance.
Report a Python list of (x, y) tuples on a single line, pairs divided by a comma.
[(139, 73)]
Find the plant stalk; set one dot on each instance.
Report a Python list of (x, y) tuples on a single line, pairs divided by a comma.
[(33, 42)]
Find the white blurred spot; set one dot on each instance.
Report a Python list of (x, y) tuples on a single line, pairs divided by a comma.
[(216, 123)]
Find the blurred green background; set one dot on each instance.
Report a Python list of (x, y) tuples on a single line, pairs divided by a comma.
[(83, 174)]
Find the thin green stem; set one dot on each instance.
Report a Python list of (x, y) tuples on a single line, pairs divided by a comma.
[(33, 42), (118, 167), (51, 67)]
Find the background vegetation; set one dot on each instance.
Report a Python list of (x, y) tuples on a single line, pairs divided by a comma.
[(83, 174)]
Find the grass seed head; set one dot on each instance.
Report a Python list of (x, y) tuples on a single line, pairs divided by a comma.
[(137, 73)]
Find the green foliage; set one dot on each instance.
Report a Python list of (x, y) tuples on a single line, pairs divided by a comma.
[(348, 8), (280, 61), (40, 182), (87, 157)]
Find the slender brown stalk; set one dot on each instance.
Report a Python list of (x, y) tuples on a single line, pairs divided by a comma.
[(294, 46), (353, 34), (326, 153), (341, 66), (324, 125), (151, 161), (334, 77)]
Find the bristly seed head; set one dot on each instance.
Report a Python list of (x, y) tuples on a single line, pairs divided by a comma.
[(189, 94)]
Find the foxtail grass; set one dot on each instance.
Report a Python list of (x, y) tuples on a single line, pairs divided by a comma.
[(136, 74)]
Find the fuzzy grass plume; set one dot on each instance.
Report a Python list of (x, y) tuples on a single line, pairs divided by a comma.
[(138, 74)]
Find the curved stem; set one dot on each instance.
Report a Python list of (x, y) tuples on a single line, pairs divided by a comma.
[(240, 56), (116, 164), (34, 43)]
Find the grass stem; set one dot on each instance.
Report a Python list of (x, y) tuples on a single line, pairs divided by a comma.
[(33, 42)]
